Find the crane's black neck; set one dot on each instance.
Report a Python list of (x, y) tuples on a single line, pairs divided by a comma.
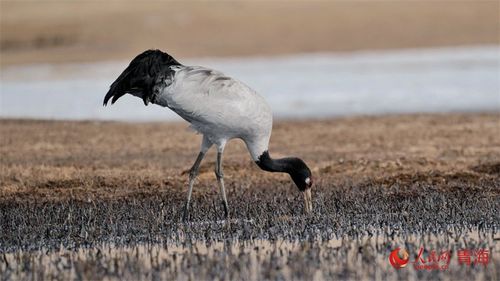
[(294, 166), (266, 163)]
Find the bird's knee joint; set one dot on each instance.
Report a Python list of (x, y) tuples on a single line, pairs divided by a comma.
[(192, 174), (219, 174)]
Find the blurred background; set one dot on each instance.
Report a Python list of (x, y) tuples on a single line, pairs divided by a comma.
[(308, 58)]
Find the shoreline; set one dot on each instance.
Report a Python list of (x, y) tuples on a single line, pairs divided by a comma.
[(180, 121)]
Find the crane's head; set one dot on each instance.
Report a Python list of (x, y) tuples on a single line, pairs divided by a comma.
[(302, 177), (296, 168)]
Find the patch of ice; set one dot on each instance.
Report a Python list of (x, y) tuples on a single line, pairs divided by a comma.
[(308, 85)]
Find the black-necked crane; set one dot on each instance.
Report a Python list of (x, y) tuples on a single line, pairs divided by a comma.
[(217, 106)]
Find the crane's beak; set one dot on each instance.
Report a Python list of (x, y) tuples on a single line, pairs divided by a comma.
[(307, 201)]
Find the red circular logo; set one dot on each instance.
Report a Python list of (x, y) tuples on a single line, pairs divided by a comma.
[(399, 258)]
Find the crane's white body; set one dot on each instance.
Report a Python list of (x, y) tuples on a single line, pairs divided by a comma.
[(219, 107)]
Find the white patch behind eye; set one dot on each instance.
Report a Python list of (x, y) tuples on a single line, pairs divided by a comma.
[(308, 181)]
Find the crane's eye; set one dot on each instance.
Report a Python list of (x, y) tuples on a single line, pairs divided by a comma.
[(308, 182)]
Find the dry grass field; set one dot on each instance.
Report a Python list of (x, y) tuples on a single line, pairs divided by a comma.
[(68, 31), (361, 258), (102, 200), (98, 160)]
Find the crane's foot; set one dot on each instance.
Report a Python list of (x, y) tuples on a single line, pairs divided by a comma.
[(185, 216), (226, 210)]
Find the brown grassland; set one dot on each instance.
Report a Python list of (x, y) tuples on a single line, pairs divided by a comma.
[(102, 200), (54, 160), (69, 31)]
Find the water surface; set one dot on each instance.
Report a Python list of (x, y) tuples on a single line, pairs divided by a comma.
[(309, 85)]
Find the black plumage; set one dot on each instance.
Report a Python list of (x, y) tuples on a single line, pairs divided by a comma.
[(294, 166), (141, 75)]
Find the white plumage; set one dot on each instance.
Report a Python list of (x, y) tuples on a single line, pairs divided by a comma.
[(217, 106)]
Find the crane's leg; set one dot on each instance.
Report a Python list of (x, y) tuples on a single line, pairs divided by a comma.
[(220, 178), (193, 173)]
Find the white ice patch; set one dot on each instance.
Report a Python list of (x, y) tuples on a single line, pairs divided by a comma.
[(310, 85)]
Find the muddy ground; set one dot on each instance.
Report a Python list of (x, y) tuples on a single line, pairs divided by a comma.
[(410, 181)]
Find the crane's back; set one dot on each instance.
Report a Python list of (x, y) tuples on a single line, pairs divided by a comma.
[(216, 105)]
